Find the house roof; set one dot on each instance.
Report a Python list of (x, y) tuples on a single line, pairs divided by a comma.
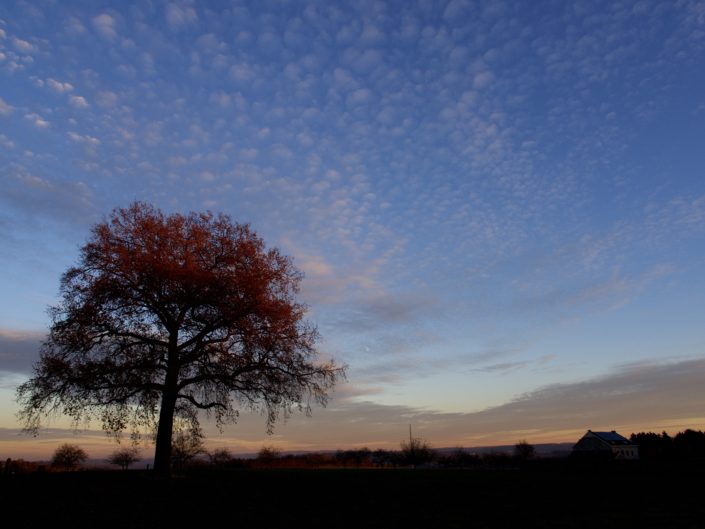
[(612, 438)]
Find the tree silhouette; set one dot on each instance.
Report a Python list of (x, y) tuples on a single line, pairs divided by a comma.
[(68, 456), (168, 316), (689, 444), (267, 455), (220, 457), (416, 451), (186, 446), (524, 451), (652, 445), (124, 457)]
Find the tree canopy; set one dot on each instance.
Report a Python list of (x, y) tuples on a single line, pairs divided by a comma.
[(124, 457), (68, 456), (169, 316)]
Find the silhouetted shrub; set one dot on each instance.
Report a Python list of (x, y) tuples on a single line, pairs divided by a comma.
[(68, 456), (459, 458), (185, 447), (220, 457), (524, 451), (497, 460), (124, 457), (415, 452), (384, 458), (354, 458)]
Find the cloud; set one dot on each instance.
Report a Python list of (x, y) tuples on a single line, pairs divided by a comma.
[(647, 396), (58, 86), (483, 79), (371, 35), (78, 102), (37, 121), (220, 98), (383, 310), (456, 9), (19, 350), (504, 367), (20, 445), (107, 99), (178, 17), (477, 149), (105, 24), (6, 142), (22, 46), (36, 197), (5, 109), (647, 392), (88, 140), (242, 72), (360, 96), (73, 26), (408, 357)]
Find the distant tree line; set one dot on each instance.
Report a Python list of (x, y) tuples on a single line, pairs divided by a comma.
[(359, 458), (414, 454), (689, 444), (191, 453)]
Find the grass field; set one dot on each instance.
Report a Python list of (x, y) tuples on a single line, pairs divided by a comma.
[(541, 495)]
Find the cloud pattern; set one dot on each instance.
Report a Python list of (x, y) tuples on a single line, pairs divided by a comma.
[(457, 179)]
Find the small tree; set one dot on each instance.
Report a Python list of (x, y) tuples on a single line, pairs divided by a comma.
[(68, 456), (416, 452), (124, 457), (524, 451), (268, 454), (187, 445), (220, 457)]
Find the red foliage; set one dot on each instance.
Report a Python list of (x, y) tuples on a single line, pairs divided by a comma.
[(176, 313)]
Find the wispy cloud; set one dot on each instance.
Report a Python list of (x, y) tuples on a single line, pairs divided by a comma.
[(5, 109), (19, 350), (36, 196)]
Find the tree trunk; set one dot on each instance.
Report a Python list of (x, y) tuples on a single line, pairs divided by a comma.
[(162, 451), (165, 430)]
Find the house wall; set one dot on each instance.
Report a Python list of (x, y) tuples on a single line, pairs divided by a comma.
[(626, 452)]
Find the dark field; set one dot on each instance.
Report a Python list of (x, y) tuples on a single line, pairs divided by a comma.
[(546, 494)]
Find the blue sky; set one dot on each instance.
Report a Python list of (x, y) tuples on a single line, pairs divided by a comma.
[(492, 201)]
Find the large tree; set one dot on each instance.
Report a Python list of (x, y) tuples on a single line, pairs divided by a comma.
[(170, 316)]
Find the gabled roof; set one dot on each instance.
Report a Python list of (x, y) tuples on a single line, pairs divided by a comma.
[(612, 438)]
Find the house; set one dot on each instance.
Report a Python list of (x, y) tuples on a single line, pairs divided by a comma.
[(606, 444)]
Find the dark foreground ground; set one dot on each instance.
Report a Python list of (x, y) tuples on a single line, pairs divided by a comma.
[(540, 495)]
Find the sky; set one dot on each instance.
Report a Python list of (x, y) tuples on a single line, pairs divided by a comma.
[(499, 206)]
